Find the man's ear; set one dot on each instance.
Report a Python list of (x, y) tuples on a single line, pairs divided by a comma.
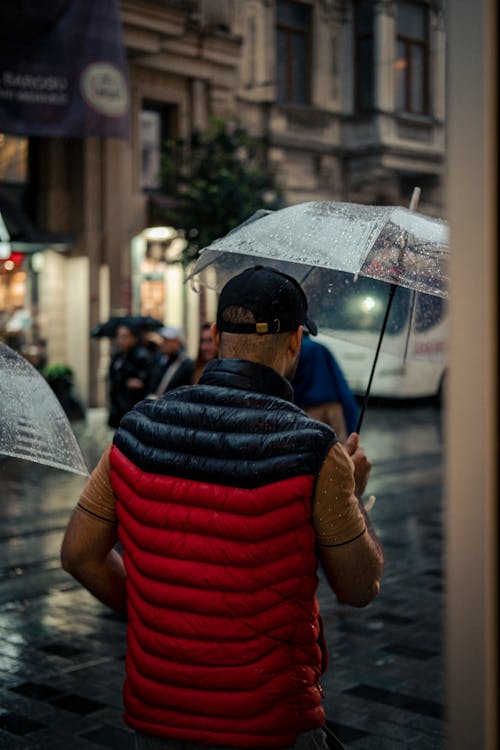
[(295, 342), (214, 332)]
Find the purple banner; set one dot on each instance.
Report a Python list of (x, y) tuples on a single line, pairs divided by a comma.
[(63, 69)]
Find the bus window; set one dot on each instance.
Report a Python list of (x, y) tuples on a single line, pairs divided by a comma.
[(429, 312), (398, 317), (360, 305)]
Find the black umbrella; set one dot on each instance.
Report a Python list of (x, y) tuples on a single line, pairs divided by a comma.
[(109, 328)]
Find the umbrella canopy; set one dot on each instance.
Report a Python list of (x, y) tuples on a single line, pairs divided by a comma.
[(346, 256), (33, 424), (365, 268), (109, 328), (388, 243)]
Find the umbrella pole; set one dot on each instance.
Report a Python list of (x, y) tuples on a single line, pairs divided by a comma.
[(413, 207), (377, 352)]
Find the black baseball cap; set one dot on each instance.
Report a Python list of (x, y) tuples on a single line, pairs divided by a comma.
[(276, 299)]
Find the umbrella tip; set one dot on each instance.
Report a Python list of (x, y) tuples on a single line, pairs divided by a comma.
[(415, 198)]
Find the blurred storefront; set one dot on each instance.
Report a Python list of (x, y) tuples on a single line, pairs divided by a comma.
[(19, 320), (63, 98), (334, 131), (95, 182), (28, 254), (158, 287)]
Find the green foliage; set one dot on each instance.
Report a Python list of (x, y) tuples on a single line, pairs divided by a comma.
[(214, 182), (58, 372)]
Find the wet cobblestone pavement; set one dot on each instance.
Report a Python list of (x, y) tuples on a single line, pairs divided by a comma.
[(62, 653)]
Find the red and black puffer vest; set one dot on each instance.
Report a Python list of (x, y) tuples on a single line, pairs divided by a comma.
[(214, 485)]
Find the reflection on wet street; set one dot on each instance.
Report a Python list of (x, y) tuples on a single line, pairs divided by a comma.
[(386, 663), (61, 652)]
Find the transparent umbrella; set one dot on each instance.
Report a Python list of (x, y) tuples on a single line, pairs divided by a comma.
[(337, 250), (33, 424)]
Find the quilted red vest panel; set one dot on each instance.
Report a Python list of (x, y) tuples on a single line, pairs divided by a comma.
[(223, 624)]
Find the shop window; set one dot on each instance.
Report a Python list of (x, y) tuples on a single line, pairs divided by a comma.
[(15, 317), (293, 45), (363, 56), (19, 168), (13, 159), (21, 323), (156, 125), (412, 58), (14, 175)]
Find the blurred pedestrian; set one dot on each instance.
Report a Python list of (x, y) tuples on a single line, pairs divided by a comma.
[(171, 367), (151, 340), (225, 497), (128, 372), (321, 389), (207, 350)]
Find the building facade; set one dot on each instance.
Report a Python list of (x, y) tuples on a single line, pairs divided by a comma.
[(349, 97)]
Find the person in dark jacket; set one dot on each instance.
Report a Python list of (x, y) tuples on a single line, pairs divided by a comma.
[(128, 372), (170, 367), (225, 497)]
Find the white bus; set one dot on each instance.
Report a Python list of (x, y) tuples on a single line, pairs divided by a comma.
[(409, 365)]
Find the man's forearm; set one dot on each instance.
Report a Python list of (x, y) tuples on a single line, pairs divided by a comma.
[(349, 549), (88, 552), (105, 580)]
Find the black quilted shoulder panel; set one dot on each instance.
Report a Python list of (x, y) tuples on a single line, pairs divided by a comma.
[(223, 435)]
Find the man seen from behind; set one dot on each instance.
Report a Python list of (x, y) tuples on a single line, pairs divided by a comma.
[(225, 497)]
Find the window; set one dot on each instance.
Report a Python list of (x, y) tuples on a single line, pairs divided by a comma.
[(361, 305), (13, 159), (156, 124), (293, 44), (412, 58), (430, 312), (19, 184), (363, 56)]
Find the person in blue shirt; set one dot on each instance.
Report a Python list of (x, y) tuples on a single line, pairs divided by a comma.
[(322, 391)]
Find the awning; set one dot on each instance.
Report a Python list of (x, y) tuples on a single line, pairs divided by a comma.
[(18, 233)]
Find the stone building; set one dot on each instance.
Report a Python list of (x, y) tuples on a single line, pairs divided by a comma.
[(348, 95)]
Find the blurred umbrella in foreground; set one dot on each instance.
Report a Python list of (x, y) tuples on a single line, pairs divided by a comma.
[(334, 249), (141, 322), (33, 424)]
